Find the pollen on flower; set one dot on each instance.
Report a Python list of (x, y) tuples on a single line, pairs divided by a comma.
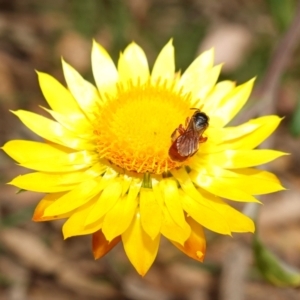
[(134, 129)]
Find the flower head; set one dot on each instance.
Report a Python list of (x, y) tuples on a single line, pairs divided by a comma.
[(130, 160)]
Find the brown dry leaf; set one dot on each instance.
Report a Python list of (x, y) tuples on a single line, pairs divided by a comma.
[(189, 276), (105, 37), (18, 277), (285, 210), (16, 202), (262, 291), (35, 255), (7, 86), (75, 49), (231, 43), (139, 8), (137, 288)]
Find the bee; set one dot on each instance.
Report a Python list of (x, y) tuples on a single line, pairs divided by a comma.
[(187, 143)]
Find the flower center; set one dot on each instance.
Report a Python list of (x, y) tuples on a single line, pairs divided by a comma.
[(134, 128)]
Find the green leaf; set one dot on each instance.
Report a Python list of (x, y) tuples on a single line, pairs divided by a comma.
[(295, 122), (20, 191), (282, 12), (18, 218), (272, 268)]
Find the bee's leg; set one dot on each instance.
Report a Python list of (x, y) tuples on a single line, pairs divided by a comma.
[(181, 129), (187, 121), (173, 135), (202, 139)]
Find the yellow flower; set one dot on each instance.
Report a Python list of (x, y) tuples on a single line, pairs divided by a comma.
[(105, 164)]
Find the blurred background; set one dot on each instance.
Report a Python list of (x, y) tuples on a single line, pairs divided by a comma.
[(252, 39)]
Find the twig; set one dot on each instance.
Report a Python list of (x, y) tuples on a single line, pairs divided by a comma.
[(18, 278), (35, 255), (266, 94), (234, 271)]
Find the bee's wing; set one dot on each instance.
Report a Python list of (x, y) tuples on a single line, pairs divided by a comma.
[(188, 143)]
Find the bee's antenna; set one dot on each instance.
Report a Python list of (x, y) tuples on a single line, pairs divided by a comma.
[(200, 108)]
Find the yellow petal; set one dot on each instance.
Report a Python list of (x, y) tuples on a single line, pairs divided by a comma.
[(240, 177), (204, 213), (34, 155), (200, 91), (24, 151), (222, 186), (231, 104), (97, 169), (104, 70), (262, 182), (133, 65), (197, 207), (46, 182), (230, 134), (139, 247), (106, 201), (76, 123), (157, 192), (266, 123), (84, 92), (52, 131), (39, 211), (170, 195), (127, 181), (214, 136), (56, 167), (235, 159), (265, 127), (195, 245), (196, 72), (151, 214), (57, 96), (236, 221), (101, 246), (245, 137), (172, 231), (77, 197), (220, 139), (216, 96), (164, 66), (56, 182), (75, 226), (123, 211)]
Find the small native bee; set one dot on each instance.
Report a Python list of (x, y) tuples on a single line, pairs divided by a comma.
[(187, 143)]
